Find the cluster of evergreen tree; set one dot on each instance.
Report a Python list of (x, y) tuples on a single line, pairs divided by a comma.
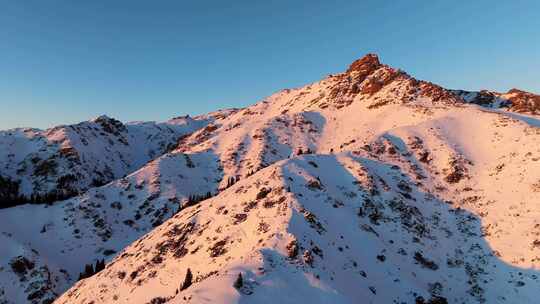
[(9, 193), (300, 151), (11, 199), (261, 166), (10, 196), (231, 181), (51, 197), (188, 281), (194, 199), (90, 270), (96, 182)]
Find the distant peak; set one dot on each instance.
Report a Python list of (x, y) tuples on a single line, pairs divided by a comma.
[(109, 124), (367, 63), (514, 90), (101, 118), (522, 92)]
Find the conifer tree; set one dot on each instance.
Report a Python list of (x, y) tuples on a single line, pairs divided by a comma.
[(88, 270), (100, 265), (187, 281), (239, 281)]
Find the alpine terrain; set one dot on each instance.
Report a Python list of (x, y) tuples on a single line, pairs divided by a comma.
[(369, 186)]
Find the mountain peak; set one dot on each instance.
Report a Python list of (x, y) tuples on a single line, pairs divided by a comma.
[(367, 63), (102, 117), (109, 124), (517, 91)]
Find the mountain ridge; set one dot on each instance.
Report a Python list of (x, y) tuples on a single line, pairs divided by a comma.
[(400, 155)]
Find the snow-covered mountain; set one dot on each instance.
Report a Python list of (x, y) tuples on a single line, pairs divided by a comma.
[(514, 100), (368, 185), (44, 166)]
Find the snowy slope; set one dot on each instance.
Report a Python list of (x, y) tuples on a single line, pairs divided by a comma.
[(69, 234), (42, 166), (331, 229), (408, 195), (391, 189)]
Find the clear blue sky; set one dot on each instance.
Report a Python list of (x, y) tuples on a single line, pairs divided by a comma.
[(63, 61)]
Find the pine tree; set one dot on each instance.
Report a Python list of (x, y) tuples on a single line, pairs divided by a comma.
[(231, 181), (239, 281), (187, 281), (88, 270), (100, 265)]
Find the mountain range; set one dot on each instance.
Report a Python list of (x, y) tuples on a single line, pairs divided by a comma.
[(367, 186)]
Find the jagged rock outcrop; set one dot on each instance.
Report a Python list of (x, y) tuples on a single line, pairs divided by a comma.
[(514, 100)]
